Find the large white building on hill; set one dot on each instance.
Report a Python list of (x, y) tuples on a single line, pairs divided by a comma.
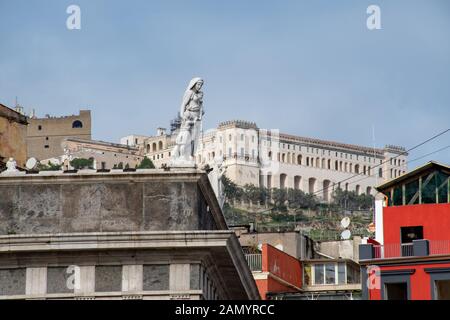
[(276, 160)]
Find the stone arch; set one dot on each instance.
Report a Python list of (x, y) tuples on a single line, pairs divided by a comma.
[(329, 164), (160, 145), (269, 181), (356, 168), (154, 147), (297, 180), (323, 163), (311, 185), (326, 191), (357, 189), (317, 162), (148, 147), (336, 165), (368, 190), (299, 159), (283, 181)]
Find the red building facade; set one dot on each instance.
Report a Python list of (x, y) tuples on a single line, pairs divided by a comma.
[(412, 259)]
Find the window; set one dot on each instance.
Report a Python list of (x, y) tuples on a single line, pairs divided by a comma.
[(341, 273), (396, 291), (39, 127), (412, 192), (411, 233), (77, 124), (442, 289), (46, 138), (46, 146), (330, 274), (318, 274)]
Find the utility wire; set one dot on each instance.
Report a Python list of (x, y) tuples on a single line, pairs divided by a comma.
[(408, 162), (402, 153)]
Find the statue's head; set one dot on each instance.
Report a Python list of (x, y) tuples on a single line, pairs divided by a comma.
[(195, 84)]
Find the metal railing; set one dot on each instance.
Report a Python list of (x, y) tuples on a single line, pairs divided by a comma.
[(393, 250), (396, 250), (254, 261), (439, 247)]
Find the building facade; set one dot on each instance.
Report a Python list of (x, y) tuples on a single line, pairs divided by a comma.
[(45, 135), (149, 234), (276, 160), (281, 276), (13, 136), (409, 259), (105, 154)]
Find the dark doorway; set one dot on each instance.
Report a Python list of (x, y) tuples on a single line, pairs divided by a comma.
[(411, 233), (443, 289), (396, 291)]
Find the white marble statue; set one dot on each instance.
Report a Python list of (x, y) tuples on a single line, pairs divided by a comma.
[(191, 114), (65, 159), (11, 166)]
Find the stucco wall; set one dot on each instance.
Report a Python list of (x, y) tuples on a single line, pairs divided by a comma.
[(13, 140)]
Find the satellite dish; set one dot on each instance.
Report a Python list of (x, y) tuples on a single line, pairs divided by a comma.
[(346, 234), (31, 163), (345, 222)]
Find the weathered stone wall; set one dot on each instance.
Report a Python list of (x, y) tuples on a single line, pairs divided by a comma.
[(127, 202)]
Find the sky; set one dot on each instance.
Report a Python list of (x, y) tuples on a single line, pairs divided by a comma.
[(309, 68)]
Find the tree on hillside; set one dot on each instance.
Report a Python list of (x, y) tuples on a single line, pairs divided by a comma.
[(146, 163)]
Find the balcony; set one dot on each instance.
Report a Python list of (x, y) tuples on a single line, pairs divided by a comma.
[(254, 261), (418, 248)]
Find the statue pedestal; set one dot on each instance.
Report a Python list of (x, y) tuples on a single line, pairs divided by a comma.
[(182, 164)]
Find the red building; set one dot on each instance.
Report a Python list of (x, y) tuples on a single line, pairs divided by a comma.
[(410, 259), (281, 276)]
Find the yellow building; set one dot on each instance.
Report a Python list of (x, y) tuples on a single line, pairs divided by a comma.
[(45, 135), (13, 134)]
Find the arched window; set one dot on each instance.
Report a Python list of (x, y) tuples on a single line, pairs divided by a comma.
[(77, 124), (270, 155), (311, 183), (160, 145), (154, 146), (299, 159), (356, 168), (368, 190), (329, 164), (380, 173), (297, 182), (282, 181), (326, 192), (148, 148), (357, 189)]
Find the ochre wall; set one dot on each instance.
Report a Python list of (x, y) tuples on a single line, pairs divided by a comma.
[(13, 141)]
